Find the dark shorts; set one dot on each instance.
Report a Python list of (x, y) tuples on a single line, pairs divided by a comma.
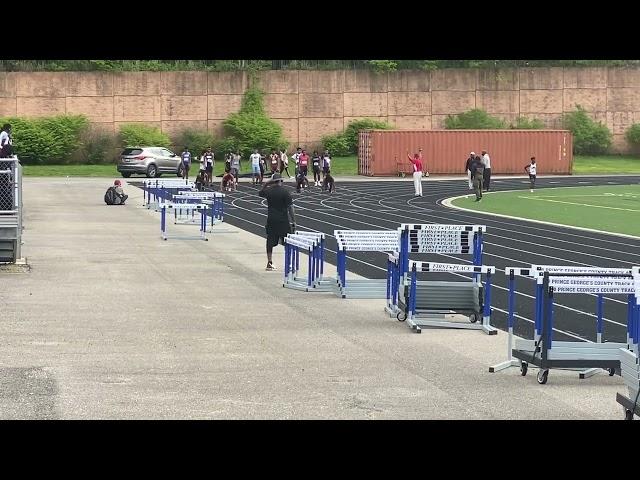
[(326, 170), (303, 170), (276, 233), (316, 169), (209, 169)]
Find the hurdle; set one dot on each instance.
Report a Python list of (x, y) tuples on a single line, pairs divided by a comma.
[(630, 358), (581, 356), (201, 208), (431, 238), (293, 244), (214, 200), (440, 239), (362, 241), (424, 303), (162, 189), (323, 283)]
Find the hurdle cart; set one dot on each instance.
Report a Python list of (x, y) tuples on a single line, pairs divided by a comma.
[(426, 303), (587, 357), (630, 357)]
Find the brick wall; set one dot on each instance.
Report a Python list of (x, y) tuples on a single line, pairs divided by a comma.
[(310, 104)]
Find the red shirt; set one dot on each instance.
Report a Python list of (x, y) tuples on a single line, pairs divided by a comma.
[(417, 163), (304, 160)]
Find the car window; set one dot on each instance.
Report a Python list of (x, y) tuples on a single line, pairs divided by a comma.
[(131, 151), (167, 153)]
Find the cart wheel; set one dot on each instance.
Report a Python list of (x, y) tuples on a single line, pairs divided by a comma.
[(401, 316), (628, 415), (612, 371), (542, 377), (474, 317), (524, 367)]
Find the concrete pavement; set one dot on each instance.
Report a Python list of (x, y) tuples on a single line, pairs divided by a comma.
[(111, 322)]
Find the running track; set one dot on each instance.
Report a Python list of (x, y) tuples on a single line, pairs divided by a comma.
[(384, 205)]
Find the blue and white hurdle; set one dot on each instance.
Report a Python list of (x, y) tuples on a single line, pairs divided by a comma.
[(293, 245), (630, 357), (214, 200), (430, 238), (200, 207), (440, 239), (413, 311), (546, 353), (363, 241), (158, 191)]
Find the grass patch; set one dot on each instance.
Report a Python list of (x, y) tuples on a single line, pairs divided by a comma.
[(611, 208), (339, 166), (606, 164)]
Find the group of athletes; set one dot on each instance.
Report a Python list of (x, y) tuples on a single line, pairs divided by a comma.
[(277, 162)]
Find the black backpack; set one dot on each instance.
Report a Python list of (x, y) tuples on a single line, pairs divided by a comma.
[(110, 196)]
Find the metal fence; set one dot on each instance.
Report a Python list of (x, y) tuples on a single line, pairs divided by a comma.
[(10, 210)]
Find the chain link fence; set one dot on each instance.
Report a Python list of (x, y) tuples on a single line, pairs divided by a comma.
[(10, 210)]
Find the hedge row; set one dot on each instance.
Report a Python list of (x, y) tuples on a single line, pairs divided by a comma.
[(70, 138)]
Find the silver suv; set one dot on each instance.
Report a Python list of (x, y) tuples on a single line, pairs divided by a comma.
[(150, 161)]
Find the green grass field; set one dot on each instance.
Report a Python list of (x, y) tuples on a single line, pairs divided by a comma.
[(339, 166), (613, 208), (605, 164)]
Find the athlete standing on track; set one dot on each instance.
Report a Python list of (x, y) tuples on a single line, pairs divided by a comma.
[(486, 161), (477, 172), (326, 164), (296, 158), (303, 163), (284, 163), (255, 166), (467, 167), (315, 162), (185, 159), (417, 173), (531, 170)]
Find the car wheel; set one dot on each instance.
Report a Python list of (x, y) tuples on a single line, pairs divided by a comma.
[(152, 171), (125, 175)]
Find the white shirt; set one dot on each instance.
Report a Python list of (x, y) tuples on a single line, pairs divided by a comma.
[(296, 157), (532, 168), (284, 159), (486, 161), (255, 159), (4, 138)]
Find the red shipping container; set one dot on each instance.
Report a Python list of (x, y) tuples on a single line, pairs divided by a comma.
[(384, 152)]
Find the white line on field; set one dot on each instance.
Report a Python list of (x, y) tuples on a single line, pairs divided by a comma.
[(580, 204)]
